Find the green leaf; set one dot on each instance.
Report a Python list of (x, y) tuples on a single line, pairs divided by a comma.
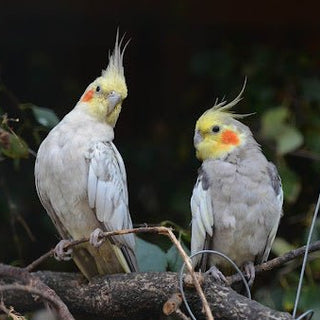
[(290, 183), (275, 127), (17, 148), (270, 296), (185, 233), (289, 140), (174, 259), (45, 116), (272, 122), (281, 246), (309, 298), (150, 257), (288, 299)]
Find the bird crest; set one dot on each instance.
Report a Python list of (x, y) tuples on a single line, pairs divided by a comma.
[(113, 75), (224, 107)]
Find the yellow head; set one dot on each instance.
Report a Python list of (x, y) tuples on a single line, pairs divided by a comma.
[(218, 133), (103, 97)]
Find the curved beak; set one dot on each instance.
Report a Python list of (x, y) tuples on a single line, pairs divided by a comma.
[(197, 138), (113, 99)]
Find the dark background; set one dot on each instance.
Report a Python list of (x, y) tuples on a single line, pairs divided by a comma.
[(182, 55)]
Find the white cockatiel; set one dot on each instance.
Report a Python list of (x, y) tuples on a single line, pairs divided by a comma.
[(237, 200), (81, 179)]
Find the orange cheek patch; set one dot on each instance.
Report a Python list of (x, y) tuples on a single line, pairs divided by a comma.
[(230, 137), (88, 96)]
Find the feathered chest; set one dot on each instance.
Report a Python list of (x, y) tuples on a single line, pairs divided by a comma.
[(240, 191), (63, 154)]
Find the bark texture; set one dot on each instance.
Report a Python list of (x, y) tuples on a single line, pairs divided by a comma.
[(137, 296)]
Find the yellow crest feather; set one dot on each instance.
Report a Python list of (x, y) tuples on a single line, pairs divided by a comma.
[(225, 107), (114, 73)]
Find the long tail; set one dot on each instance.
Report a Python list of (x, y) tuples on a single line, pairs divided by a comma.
[(107, 259)]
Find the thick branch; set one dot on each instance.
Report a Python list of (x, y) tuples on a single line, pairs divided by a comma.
[(139, 296), (159, 230)]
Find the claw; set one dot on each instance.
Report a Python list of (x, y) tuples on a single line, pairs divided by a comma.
[(96, 238), (250, 272), (60, 253), (216, 274)]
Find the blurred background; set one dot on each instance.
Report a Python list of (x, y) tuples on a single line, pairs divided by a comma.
[(182, 56)]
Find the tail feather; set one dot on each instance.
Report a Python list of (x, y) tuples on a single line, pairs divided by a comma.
[(107, 259)]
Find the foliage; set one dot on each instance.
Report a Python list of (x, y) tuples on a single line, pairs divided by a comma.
[(152, 258)]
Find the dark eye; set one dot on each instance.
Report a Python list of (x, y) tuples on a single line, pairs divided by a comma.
[(98, 88), (215, 129)]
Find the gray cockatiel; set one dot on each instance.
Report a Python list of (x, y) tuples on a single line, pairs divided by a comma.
[(81, 179), (237, 200)]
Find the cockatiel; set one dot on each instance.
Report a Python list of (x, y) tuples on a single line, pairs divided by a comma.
[(237, 199), (81, 179)]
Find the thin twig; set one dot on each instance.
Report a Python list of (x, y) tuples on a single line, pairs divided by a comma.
[(306, 154), (4, 308), (74, 243), (291, 255), (11, 313), (188, 263), (181, 314), (38, 261), (158, 230), (33, 153), (279, 261), (24, 224), (266, 266)]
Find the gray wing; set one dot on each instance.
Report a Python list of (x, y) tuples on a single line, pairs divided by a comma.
[(276, 182), (202, 216), (277, 187), (108, 194)]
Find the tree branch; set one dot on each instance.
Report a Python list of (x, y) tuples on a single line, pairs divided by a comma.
[(139, 296), (279, 261), (11, 313), (34, 285), (111, 291), (159, 230)]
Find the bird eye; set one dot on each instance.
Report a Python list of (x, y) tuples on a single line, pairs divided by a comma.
[(98, 88), (112, 92), (215, 129)]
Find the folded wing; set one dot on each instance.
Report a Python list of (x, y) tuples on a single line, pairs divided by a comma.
[(108, 195)]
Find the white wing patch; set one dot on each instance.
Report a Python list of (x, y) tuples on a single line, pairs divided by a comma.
[(107, 190), (280, 196), (202, 216)]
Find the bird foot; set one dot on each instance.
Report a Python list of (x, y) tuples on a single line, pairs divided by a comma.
[(216, 274), (96, 238), (249, 272), (61, 253)]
